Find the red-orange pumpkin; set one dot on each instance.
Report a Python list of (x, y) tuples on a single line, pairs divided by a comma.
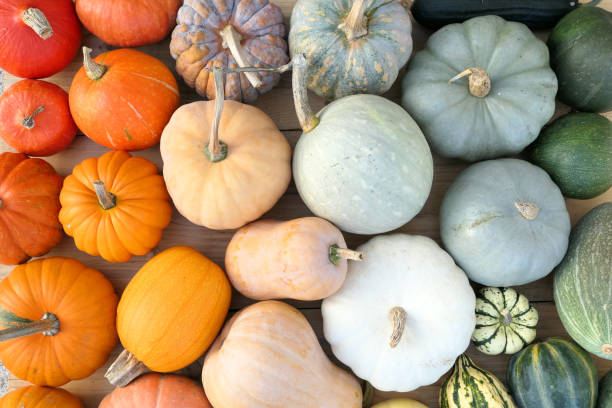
[(39, 397)]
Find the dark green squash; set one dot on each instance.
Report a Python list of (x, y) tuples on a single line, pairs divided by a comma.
[(605, 391), (576, 150), (556, 373)]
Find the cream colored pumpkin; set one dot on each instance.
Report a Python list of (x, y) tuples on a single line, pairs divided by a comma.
[(400, 403)]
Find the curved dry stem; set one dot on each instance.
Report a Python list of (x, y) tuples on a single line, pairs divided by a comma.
[(48, 325), (232, 40), (308, 121), (124, 369), (398, 318), (479, 81), (37, 21), (356, 24), (28, 121), (93, 70)]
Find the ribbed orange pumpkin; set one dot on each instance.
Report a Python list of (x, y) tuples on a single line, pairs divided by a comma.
[(115, 206), (74, 308), (39, 397)]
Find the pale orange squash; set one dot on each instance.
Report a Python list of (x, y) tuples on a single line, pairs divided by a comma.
[(35, 396)]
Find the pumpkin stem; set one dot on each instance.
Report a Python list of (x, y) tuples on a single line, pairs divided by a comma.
[(479, 81), (308, 121), (529, 211), (216, 150), (28, 121), (124, 369), (398, 317), (506, 317), (356, 24), (37, 21), (93, 70), (607, 348), (336, 254), (106, 199), (232, 40), (48, 325)]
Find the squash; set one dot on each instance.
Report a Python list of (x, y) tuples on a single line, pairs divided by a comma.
[(605, 391), (304, 259), (583, 33), (576, 150), (229, 34), (410, 340), (503, 104), (268, 356), (35, 118), (58, 320), (505, 321), (39, 397), (225, 163), (123, 99), (169, 314), (505, 222), (355, 46), (29, 206), (361, 163), (39, 37), (399, 403), (157, 391), (115, 206), (469, 385), (555, 373), (583, 280), (128, 23)]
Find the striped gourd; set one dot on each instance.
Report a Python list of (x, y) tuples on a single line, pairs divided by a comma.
[(505, 321), (556, 373), (469, 386)]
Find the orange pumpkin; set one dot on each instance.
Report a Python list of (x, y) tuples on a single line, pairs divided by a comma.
[(39, 397), (29, 206), (169, 313), (123, 99), (59, 321), (115, 206)]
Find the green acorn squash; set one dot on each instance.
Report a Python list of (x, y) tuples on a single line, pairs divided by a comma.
[(605, 391)]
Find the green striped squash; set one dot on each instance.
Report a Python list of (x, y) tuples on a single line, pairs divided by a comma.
[(605, 391), (556, 373), (469, 386)]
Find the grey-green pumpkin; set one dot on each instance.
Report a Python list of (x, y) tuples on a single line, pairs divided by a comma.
[(500, 108)]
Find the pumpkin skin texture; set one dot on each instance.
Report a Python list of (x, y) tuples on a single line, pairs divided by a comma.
[(85, 304), (385, 293), (231, 192), (505, 222), (128, 23), (339, 66), (199, 43), (127, 107), (583, 280), (605, 391), (456, 122), (556, 373), (157, 391), (133, 224), (366, 167), (39, 397), (29, 207), (400, 403), (27, 54), (268, 356)]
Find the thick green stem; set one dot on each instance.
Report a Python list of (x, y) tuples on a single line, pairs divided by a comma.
[(93, 70), (37, 21), (48, 325)]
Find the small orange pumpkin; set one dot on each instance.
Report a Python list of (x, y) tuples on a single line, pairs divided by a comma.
[(39, 397), (115, 206)]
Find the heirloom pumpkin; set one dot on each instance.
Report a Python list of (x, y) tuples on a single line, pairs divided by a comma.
[(502, 105), (123, 99), (29, 206), (169, 313), (354, 46), (505, 222), (410, 340), (39, 397), (115, 206), (229, 33), (400, 403), (59, 321), (268, 356), (39, 37)]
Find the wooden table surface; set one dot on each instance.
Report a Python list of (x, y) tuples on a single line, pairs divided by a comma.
[(279, 105)]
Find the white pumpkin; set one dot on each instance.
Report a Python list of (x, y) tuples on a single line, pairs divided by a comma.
[(403, 315)]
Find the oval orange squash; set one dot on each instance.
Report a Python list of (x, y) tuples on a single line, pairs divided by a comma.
[(39, 397)]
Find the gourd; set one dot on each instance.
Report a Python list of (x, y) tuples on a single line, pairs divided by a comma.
[(123, 98), (505, 321), (39, 397), (304, 259), (40, 37), (169, 314), (583, 34), (469, 385), (500, 108), (400, 403), (225, 163), (157, 391), (229, 34), (504, 222), (605, 391), (29, 206), (352, 47), (582, 283), (115, 206), (555, 373), (268, 356), (361, 163), (128, 23), (35, 118), (59, 313), (410, 341)]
